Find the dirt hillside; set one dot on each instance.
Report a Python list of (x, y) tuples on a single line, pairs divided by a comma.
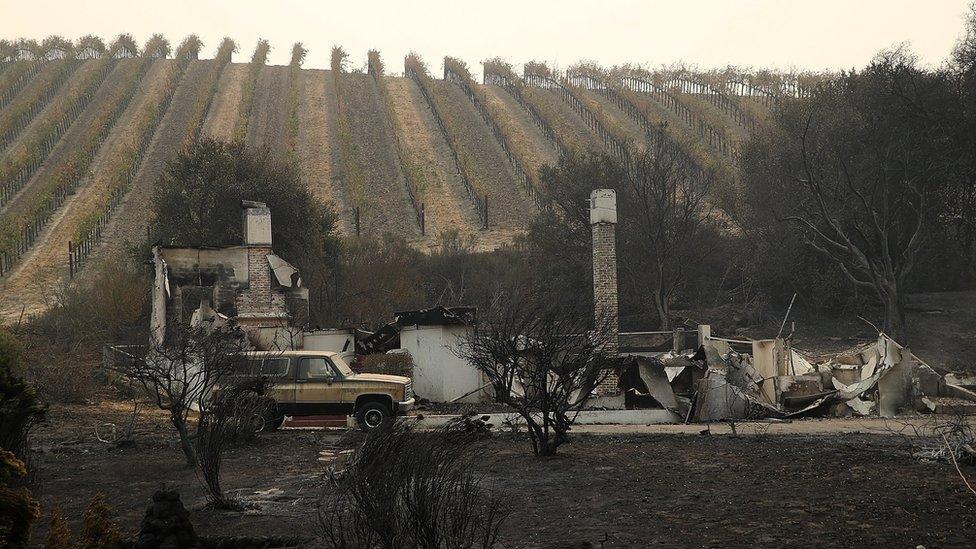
[(389, 208), (448, 207), (223, 113)]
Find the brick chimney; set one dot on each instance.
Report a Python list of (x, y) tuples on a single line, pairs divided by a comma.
[(603, 220), (258, 305)]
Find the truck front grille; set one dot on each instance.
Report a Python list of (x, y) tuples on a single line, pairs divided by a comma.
[(408, 391)]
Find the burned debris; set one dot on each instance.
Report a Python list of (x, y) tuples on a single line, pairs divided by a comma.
[(726, 379)]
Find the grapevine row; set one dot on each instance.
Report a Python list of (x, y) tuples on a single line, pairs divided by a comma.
[(22, 111), (16, 78), (499, 73), (540, 75), (716, 97), (127, 164), (349, 168), (415, 70), (258, 60), (415, 182), (18, 235), (716, 139), (203, 103), (25, 159), (457, 72), (656, 136), (298, 53)]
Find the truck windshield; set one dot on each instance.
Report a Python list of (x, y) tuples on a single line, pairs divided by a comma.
[(341, 365)]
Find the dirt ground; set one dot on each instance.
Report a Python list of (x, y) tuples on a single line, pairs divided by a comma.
[(762, 488)]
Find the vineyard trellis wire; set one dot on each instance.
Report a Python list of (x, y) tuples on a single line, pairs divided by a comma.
[(715, 139), (455, 71), (415, 70)]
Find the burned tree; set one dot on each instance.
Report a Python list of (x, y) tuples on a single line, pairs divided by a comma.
[(183, 373), (855, 169), (543, 359), (670, 211)]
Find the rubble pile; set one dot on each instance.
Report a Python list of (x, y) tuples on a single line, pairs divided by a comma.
[(717, 382)]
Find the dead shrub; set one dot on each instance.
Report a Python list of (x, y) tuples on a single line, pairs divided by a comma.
[(98, 530), (63, 346), (234, 415), (18, 508), (408, 488)]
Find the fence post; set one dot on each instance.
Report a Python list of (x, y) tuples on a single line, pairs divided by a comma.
[(71, 260), (423, 219)]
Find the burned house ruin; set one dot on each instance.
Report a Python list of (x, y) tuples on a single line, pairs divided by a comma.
[(246, 284)]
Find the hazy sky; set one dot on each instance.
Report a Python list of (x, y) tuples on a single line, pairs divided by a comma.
[(806, 34)]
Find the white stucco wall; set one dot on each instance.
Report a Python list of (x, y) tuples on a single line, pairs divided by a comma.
[(339, 341), (438, 373)]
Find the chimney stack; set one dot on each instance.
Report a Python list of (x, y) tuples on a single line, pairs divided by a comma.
[(603, 220)]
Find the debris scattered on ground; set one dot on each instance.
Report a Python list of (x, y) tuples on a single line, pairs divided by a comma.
[(722, 381)]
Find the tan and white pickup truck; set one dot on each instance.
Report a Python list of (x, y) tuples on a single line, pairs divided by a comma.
[(310, 383)]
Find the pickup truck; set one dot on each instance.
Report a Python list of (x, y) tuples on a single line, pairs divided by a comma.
[(308, 383)]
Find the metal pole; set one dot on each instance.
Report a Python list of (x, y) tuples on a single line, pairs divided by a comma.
[(788, 309)]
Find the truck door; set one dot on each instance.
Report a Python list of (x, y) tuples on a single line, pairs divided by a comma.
[(318, 387), (281, 375)]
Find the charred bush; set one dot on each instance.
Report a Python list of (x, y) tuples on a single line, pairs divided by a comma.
[(407, 488)]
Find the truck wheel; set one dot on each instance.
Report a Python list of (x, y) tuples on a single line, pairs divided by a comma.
[(372, 415)]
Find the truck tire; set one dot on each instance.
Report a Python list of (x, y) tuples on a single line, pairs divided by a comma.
[(372, 415)]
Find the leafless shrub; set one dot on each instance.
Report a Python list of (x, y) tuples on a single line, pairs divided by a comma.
[(543, 359), (182, 374), (407, 488)]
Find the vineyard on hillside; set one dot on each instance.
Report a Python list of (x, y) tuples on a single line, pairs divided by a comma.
[(87, 127)]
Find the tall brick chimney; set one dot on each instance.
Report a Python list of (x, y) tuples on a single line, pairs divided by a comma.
[(258, 305), (603, 220)]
